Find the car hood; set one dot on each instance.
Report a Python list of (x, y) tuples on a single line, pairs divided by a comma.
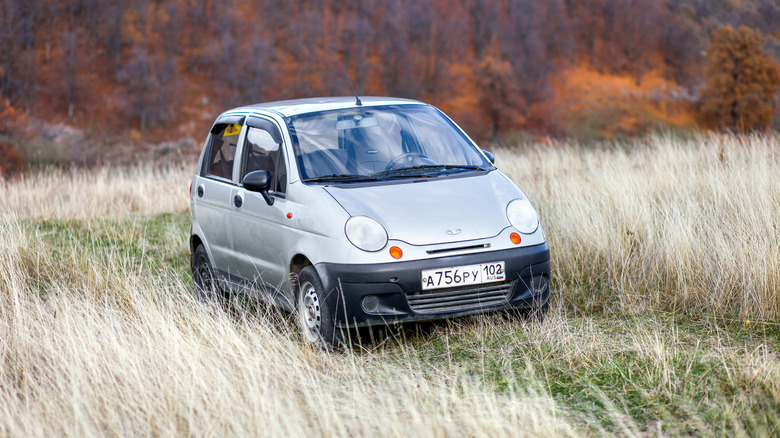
[(435, 210)]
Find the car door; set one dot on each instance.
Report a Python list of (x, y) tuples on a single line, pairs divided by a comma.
[(257, 228), (214, 188)]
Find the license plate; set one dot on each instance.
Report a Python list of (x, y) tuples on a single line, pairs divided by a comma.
[(463, 275)]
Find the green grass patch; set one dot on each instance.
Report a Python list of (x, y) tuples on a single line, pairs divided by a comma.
[(659, 371), (153, 244)]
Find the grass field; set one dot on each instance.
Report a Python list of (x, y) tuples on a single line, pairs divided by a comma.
[(665, 314)]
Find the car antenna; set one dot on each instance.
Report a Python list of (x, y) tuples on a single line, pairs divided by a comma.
[(357, 99)]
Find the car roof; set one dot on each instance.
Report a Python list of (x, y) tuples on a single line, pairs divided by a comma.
[(303, 106)]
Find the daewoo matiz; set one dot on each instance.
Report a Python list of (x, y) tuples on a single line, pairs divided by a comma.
[(354, 214)]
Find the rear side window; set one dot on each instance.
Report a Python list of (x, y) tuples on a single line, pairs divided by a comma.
[(222, 153)]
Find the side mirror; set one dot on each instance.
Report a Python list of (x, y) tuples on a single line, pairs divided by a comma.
[(489, 156), (259, 181)]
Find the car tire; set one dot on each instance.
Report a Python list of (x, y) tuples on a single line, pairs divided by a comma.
[(203, 275), (314, 315)]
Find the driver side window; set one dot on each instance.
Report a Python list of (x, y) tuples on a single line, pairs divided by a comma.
[(263, 153)]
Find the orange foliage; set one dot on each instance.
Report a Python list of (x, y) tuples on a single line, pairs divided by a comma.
[(10, 118), (498, 92), (11, 161), (464, 106), (742, 81), (601, 105), (166, 67)]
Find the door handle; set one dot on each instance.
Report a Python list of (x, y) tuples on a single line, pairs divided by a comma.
[(238, 201), (200, 191)]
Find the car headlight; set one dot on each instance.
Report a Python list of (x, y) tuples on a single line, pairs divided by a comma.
[(522, 216), (366, 233)]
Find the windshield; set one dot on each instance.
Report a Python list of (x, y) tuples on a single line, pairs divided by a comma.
[(364, 144)]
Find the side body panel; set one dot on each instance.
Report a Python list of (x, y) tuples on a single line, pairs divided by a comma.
[(258, 231), (210, 209)]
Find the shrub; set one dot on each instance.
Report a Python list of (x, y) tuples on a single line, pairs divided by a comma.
[(11, 161)]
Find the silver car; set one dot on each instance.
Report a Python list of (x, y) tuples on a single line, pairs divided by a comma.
[(355, 214)]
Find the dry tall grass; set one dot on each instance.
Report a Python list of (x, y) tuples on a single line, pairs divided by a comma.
[(98, 339), (691, 224), (103, 193), (92, 345)]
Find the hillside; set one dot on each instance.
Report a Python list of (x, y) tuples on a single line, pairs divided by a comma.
[(137, 74)]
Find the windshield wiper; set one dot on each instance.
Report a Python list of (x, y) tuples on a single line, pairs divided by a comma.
[(341, 177), (403, 171)]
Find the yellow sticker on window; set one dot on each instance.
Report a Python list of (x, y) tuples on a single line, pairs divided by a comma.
[(232, 130)]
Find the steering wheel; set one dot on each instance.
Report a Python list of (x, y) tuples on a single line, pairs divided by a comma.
[(409, 157)]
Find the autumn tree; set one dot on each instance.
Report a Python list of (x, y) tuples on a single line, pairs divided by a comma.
[(396, 52), (70, 61), (482, 16), (18, 21), (151, 87), (742, 81), (636, 35), (10, 158), (499, 95), (680, 50)]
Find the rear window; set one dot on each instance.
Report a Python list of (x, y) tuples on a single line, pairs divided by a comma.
[(222, 152)]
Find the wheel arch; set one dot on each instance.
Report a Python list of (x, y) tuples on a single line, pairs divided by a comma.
[(195, 242), (297, 263)]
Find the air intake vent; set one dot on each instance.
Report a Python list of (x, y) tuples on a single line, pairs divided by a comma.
[(460, 299)]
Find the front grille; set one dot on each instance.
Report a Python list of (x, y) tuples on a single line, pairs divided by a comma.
[(460, 299)]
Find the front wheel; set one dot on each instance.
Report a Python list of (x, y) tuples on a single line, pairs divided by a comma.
[(315, 317)]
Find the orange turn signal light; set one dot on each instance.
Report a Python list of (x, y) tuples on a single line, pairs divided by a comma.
[(395, 252), (515, 238)]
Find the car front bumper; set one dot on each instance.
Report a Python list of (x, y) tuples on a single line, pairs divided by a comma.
[(378, 294)]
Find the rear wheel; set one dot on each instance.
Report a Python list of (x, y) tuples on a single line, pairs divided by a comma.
[(206, 285), (315, 317)]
